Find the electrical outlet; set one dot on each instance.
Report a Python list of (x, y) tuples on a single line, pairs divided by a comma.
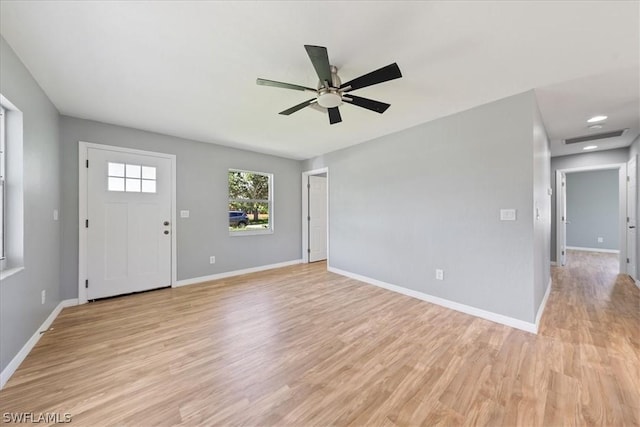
[(43, 296), (212, 260), (439, 274), (600, 239)]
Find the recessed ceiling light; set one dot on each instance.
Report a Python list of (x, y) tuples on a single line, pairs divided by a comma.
[(590, 147), (596, 119), (595, 127)]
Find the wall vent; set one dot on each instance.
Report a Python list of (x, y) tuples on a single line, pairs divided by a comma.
[(595, 136)]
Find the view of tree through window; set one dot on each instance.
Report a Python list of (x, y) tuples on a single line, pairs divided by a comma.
[(249, 201)]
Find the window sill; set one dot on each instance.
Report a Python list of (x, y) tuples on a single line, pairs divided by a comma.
[(5, 274), (249, 233)]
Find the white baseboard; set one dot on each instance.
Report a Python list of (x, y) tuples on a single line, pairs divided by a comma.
[(554, 264), (26, 349), (543, 304), (637, 283), (226, 274), (467, 309), (607, 251)]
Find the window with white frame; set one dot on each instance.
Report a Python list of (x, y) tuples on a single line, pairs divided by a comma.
[(250, 202), (11, 189), (131, 178)]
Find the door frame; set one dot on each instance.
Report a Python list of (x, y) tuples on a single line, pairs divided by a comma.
[(83, 199), (305, 212), (622, 207), (636, 275)]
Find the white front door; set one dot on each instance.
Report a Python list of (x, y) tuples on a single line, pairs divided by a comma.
[(128, 223), (632, 231), (317, 218)]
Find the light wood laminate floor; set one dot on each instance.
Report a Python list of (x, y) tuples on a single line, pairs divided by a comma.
[(301, 346)]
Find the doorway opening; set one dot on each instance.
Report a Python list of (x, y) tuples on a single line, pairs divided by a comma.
[(591, 212), (315, 215)]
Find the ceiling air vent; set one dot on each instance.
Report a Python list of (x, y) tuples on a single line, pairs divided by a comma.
[(595, 136)]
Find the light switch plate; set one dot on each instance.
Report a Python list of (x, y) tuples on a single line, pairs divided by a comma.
[(184, 214), (507, 214), (55, 214)]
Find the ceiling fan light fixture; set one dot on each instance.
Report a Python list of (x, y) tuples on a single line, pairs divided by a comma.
[(329, 99), (596, 119)]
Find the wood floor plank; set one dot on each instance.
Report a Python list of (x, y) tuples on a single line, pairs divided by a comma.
[(301, 346)]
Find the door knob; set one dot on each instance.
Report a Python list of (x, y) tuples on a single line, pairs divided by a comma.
[(166, 231), (632, 226), (166, 223)]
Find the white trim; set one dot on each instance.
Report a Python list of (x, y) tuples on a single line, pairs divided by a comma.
[(226, 274), (305, 212), (592, 168), (622, 208), (12, 367), (579, 248), (543, 304), (561, 237), (82, 209), (5, 274), (637, 283), (554, 264), (487, 315)]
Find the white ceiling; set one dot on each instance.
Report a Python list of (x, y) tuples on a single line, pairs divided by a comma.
[(567, 106), (189, 68)]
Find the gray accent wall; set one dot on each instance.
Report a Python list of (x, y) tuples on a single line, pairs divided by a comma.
[(597, 158), (21, 311), (429, 197), (593, 209), (202, 189)]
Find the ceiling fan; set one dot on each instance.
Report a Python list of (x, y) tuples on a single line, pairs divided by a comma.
[(331, 92)]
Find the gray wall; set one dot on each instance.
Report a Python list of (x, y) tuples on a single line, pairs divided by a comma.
[(429, 197), (21, 312), (593, 209), (201, 189), (598, 158)]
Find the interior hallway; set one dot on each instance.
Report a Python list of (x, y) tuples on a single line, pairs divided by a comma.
[(302, 346)]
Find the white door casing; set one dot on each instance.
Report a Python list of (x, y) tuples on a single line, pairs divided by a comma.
[(127, 239), (631, 220), (317, 218), (561, 231), (305, 249), (561, 217)]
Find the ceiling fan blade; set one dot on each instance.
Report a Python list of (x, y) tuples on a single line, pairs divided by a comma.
[(334, 115), (320, 60), (265, 82), (369, 104), (298, 107), (390, 72)]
